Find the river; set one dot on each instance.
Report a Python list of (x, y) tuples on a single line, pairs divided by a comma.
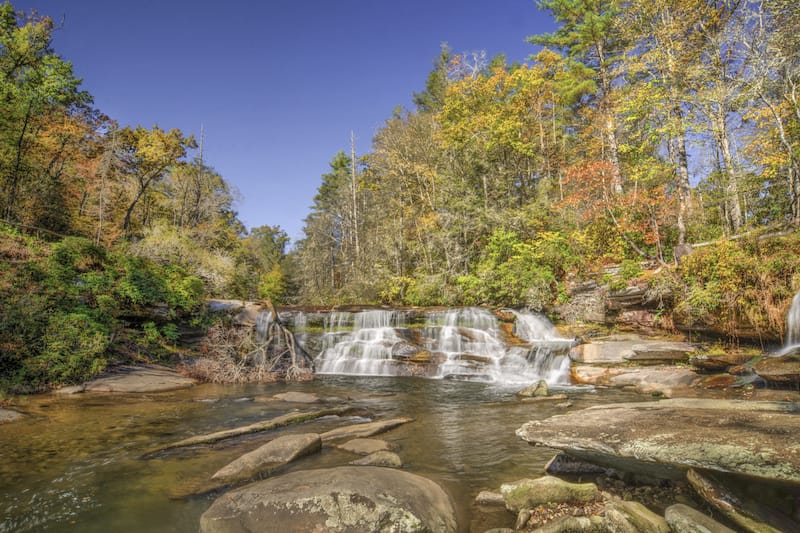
[(76, 462)]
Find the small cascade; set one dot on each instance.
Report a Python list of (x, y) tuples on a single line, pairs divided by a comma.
[(263, 320), (366, 349), (793, 324), (468, 338), (462, 343)]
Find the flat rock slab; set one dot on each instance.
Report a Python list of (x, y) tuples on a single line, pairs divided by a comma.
[(7, 415), (134, 379), (666, 380), (364, 430), (643, 351), (782, 371), (343, 499), (664, 439), (270, 456), (365, 446)]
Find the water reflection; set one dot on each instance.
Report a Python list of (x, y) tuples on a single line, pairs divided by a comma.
[(76, 462)]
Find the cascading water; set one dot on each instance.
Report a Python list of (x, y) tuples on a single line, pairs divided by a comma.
[(793, 324), (463, 343), (366, 350)]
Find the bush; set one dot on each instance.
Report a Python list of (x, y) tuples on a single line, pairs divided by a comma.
[(74, 350)]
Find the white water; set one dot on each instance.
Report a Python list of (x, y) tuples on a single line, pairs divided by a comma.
[(793, 323), (462, 343)]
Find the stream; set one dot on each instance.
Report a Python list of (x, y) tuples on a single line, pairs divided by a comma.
[(75, 462)]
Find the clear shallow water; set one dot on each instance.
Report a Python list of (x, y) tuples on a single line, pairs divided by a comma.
[(75, 462)]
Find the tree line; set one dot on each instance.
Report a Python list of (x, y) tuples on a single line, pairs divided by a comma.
[(638, 126), (67, 168)]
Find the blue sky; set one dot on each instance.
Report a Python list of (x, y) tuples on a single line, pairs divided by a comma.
[(279, 84)]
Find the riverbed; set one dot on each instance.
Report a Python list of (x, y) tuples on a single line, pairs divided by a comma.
[(76, 462)]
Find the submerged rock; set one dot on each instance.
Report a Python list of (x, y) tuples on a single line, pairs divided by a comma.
[(683, 519), (267, 458), (7, 415), (382, 458), (486, 497), (528, 493), (297, 397), (664, 439), (340, 499), (364, 430), (365, 446)]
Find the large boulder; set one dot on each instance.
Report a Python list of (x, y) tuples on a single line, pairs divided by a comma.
[(529, 493), (664, 439), (342, 499), (270, 456)]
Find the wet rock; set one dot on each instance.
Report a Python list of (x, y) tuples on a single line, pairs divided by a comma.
[(683, 519), (365, 446), (499, 530), (660, 352), (563, 463), (747, 515), (134, 379), (781, 371), (552, 398), (267, 458), (664, 439), (535, 390), (522, 519), (528, 493), (297, 397), (364, 430), (667, 381), (383, 458), (7, 415), (718, 362), (335, 500), (489, 498), (633, 517)]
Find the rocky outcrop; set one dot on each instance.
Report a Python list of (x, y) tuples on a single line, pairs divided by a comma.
[(640, 351), (664, 439), (364, 430), (269, 457), (667, 380), (344, 499), (133, 379), (782, 370), (529, 493), (718, 362)]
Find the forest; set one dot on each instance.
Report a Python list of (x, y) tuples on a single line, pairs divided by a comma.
[(638, 128)]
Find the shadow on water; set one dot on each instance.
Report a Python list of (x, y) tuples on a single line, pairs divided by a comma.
[(76, 461)]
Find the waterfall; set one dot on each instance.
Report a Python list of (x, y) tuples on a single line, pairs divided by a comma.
[(263, 320), (793, 323), (462, 343), (366, 350)]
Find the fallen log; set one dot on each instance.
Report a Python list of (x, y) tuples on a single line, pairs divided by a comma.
[(265, 425)]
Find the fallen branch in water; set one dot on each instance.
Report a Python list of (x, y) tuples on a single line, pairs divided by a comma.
[(265, 425)]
